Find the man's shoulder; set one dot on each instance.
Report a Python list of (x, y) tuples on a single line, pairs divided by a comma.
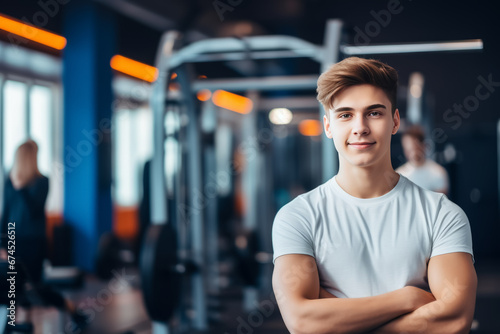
[(420, 195), (449, 208), (436, 201)]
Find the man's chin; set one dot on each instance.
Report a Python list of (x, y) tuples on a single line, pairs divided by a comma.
[(361, 163)]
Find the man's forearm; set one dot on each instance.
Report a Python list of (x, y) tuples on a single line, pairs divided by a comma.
[(430, 318), (350, 315)]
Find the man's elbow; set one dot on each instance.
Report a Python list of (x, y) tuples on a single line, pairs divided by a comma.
[(298, 327), (298, 323), (462, 325), (301, 326), (296, 320)]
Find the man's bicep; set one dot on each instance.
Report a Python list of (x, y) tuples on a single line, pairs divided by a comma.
[(295, 279), (453, 282)]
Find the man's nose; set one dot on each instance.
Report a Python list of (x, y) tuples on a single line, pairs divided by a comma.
[(360, 126)]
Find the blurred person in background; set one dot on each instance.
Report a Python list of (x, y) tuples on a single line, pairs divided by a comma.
[(25, 193), (24, 196), (420, 169)]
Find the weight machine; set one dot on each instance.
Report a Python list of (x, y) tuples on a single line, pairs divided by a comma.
[(162, 265)]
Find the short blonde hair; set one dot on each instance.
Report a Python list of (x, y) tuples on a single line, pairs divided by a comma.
[(354, 71)]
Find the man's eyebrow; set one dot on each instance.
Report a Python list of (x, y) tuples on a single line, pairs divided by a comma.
[(371, 107), (342, 109), (376, 106)]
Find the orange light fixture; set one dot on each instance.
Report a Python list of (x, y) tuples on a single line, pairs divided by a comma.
[(134, 68), (32, 33), (204, 95), (233, 102), (310, 128)]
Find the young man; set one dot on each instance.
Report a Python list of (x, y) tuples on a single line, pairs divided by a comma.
[(369, 251), (419, 169)]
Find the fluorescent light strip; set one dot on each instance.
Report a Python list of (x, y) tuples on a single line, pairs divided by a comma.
[(32, 33)]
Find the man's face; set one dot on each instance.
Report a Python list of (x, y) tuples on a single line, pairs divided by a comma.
[(361, 125)]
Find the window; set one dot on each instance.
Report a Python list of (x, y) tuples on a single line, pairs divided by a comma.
[(40, 125), (133, 146), (14, 130)]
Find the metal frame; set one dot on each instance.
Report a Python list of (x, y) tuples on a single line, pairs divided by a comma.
[(222, 49), (498, 163), (465, 45), (2, 173), (2, 81), (158, 203), (261, 84), (329, 157), (195, 189)]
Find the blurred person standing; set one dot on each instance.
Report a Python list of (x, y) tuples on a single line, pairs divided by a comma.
[(23, 205), (420, 169), (24, 196)]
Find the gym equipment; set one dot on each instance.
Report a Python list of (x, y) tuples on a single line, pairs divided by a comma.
[(498, 159), (112, 253), (107, 257), (247, 248), (159, 285), (67, 277), (161, 272)]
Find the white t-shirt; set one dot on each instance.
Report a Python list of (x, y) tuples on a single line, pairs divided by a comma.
[(430, 175), (366, 247)]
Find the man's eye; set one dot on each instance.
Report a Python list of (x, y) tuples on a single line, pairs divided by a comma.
[(344, 116), (375, 113)]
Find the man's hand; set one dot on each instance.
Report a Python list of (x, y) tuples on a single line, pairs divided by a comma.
[(419, 297)]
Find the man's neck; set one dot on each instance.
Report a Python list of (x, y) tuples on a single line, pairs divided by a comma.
[(367, 182)]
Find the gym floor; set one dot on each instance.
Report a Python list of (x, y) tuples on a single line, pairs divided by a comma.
[(116, 307)]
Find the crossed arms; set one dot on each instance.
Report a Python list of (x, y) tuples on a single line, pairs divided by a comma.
[(307, 308)]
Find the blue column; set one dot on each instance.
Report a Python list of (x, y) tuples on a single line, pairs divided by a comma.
[(90, 32)]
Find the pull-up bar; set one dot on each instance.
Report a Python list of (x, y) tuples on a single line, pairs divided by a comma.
[(466, 45), (224, 49)]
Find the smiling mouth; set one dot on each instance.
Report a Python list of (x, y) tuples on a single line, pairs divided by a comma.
[(361, 145)]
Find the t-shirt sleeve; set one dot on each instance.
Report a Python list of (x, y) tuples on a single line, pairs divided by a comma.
[(291, 232), (452, 231)]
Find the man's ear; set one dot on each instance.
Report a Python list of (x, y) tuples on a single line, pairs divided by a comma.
[(397, 122), (326, 125)]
